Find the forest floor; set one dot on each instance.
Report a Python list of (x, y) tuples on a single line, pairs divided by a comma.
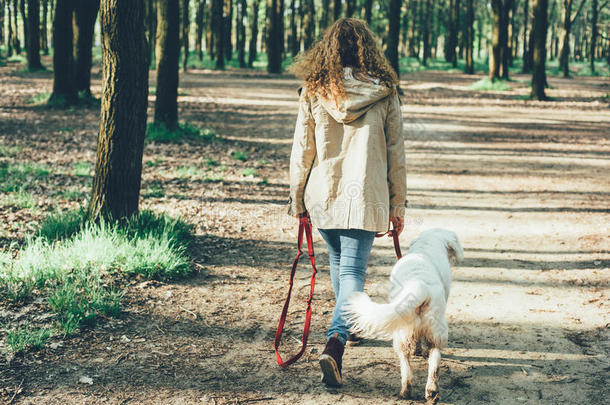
[(524, 184)]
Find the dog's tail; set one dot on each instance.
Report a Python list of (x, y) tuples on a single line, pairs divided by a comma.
[(373, 320)]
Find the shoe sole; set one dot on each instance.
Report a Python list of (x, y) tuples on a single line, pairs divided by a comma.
[(352, 343), (330, 372)]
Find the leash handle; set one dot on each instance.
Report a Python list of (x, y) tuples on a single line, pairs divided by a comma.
[(394, 238), (304, 228)]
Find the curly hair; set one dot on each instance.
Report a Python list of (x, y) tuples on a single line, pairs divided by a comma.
[(347, 42)]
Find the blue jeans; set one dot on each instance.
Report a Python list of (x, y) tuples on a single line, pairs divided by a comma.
[(349, 251)]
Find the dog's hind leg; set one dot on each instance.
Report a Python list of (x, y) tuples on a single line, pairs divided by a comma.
[(434, 361), (404, 346)]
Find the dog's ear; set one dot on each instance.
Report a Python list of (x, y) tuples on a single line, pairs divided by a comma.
[(454, 250)]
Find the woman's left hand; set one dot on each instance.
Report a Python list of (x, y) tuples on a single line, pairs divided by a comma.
[(398, 223)]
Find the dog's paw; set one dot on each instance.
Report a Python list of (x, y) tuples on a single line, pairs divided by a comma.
[(432, 396), (407, 391)]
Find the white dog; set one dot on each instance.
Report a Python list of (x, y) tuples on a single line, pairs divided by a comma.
[(416, 310)]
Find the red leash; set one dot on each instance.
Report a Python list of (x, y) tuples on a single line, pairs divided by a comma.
[(305, 228)]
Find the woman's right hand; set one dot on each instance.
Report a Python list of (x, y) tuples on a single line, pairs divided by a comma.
[(398, 223)]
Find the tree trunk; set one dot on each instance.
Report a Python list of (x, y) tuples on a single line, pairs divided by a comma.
[(293, 40), (539, 31), (567, 20), (64, 86), (393, 34), (185, 34), (274, 32), (253, 33), (2, 8), (151, 28), (324, 20), (241, 33), (350, 8), (24, 20), (593, 44), (9, 33), (33, 39), (336, 9), (44, 34), (411, 35), (368, 11), (495, 56), (168, 55), (85, 14), (309, 27), (426, 31), (218, 24), (228, 29), (469, 68), (200, 28), (452, 40), (16, 41), (527, 65), (118, 171)]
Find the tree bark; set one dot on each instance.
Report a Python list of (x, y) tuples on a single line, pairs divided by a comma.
[(324, 20), (25, 24), (228, 29), (2, 8), (241, 33), (309, 24), (527, 65), (85, 14), (469, 68), (151, 28), (16, 41), (168, 55), (200, 28), (64, 86), (253, 33), (274, 38), (218, 24), (118, 171), (9, 34), (393, 34), (294, 35), (350, 8), (44, 34), (33, 39), (593, 44), (426, 31), (452, 40), (336, 9), (499, 56), (368, 11), (185, 34), (567, 20), (539, 31)]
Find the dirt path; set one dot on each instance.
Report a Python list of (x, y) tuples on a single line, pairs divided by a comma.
[(524, 184)]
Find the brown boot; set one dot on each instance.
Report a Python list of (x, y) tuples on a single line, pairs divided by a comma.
[(330, 362), (353, 340)]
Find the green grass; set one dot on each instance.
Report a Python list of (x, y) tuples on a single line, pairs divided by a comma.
[(9, 151), (19, 199), (20, 176), (250, 172), (26, 337), (154, 190), (161, 134), (240, 155), (211, 162), (412, 64), (263, 162), (154, 163), (189, 172), (487, 85), (74, 264), (39, 99), (82, 169), (71, 194)]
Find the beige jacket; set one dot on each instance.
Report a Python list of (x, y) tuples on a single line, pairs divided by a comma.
[(347, 166)]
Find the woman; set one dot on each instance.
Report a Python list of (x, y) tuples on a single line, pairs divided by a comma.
[(347, 166)]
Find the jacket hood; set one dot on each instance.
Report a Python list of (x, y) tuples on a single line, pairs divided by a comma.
[(361, 96)]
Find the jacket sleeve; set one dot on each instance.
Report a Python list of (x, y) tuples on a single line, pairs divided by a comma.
[(302, 155), (397, 168)]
